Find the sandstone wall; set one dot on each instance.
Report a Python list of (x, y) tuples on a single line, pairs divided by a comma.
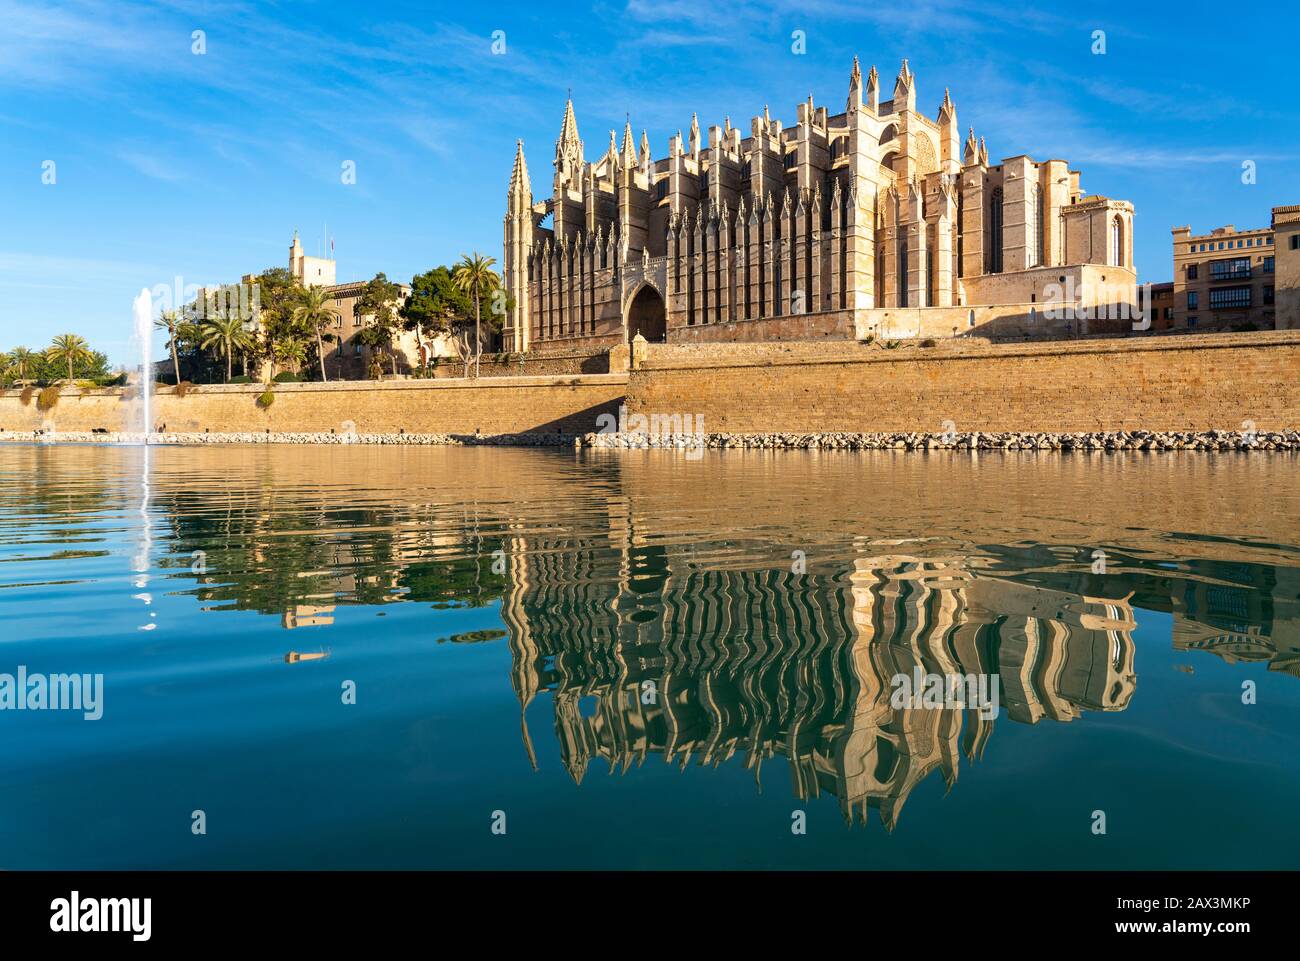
[(493, 406), (586, 360), (1186, 383), (1189, 382)]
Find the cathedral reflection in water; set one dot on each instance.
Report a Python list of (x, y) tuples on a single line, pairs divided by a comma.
[(709, 665)]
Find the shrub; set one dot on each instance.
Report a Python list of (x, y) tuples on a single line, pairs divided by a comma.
[(47, 398), (287, 377), (26, 395), (183, 388), (241, 379), (928, 342), (266, 399), (892, 344)]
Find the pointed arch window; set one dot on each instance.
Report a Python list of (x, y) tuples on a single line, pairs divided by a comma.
[(995, 232), (1117, 242)]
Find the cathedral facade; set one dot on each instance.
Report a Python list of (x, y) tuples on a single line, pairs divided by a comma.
[(872, 219)]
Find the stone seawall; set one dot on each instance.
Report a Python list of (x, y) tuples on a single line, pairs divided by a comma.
[(1247, 382), (1189, 383), (553, 362), (516, 405)]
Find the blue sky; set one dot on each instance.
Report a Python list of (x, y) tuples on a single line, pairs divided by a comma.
[(173, 164)]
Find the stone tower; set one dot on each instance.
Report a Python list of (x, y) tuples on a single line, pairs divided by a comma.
[(519, 226), (310, 271)]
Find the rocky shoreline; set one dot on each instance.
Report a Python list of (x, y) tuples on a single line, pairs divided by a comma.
[(1136, 440), (187, 439)]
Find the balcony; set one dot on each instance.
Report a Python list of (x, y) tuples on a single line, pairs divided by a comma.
[(1223, 271)]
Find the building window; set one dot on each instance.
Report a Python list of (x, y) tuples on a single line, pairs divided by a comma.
[(790, 159), (661, 189), (1193, 300), (1191, 272), (1035, 212), (745, 170), (1191, 321), (1227, 298), (1295, 241), (1236, 269), (1117, 242), (1268, 265), (1268, 296), (1169, 313), (704, 183), (995, 232)]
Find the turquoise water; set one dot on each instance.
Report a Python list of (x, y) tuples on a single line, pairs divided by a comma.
[(638, 660)]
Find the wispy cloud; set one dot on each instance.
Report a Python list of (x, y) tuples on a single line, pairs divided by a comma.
[(151, 165)]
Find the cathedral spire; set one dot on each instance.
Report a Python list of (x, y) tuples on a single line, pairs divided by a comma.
[(855, 86), (645, 151), (904, 89), (971, 152), (569, 146), (569, 128), (873, 90), (695, 134), (518, 176), (629, 145), (984, 154), (946, 109)]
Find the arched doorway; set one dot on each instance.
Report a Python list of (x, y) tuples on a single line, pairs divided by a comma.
[(645, 316)]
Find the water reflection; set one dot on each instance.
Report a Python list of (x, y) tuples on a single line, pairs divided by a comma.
[(757, 664), (652, 608)]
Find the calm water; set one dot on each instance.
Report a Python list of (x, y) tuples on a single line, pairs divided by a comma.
[(647, 661)]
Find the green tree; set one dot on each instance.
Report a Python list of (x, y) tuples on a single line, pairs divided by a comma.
[(69, 349), (292, 352), (20, 363), (315, 312), (436, 306), (170, 321), (278, 294), (380, 300), (475, 276), (226, 336)]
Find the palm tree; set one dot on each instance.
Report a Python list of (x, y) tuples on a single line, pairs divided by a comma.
[(314, 312), (70, 349), (226, 335), (475, 276), (19, 360), (170, 321), (291, 351)]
